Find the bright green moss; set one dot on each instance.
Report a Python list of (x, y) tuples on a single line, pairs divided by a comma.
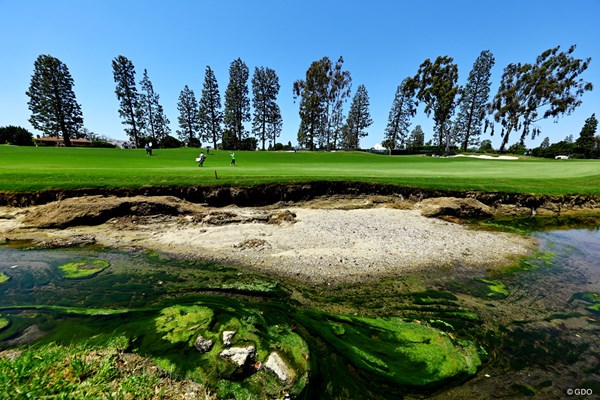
[(83, 269), (182, 323)]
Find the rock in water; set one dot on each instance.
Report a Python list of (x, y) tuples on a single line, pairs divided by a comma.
[(203, 345), (276, 365), (239, 355), (227, 336)]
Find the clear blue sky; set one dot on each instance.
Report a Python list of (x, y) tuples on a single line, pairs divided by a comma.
[(382, 42)]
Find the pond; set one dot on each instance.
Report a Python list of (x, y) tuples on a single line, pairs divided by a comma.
[(529, 329)]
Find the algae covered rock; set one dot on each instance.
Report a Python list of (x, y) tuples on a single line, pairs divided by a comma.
[(182, 323), (4, 322), (240, 355), (83, 269), (203, 345), (3, 278), (406, 353)]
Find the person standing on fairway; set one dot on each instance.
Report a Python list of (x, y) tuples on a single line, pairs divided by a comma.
[(201, 159), (232, 159)]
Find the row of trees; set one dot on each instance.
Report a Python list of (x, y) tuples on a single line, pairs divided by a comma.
[(528, 93), (550, 87), (202, 120)]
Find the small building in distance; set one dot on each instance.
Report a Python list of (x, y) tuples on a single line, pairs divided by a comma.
[(54, 141)]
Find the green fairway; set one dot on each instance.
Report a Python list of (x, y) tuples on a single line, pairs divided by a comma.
[(37, 168)]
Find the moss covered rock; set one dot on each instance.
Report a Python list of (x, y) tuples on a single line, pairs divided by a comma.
[(406, 353), (3, 278), (83, 269)]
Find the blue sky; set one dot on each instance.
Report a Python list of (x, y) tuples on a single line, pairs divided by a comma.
[(382, 42)]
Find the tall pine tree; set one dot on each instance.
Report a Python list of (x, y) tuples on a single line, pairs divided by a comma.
[(265, 88), (585, 143), (54, 108), (359, 118), (403, 109), (237, 104), (130, 109), (188, 117), (313, 92), (210, 114), (473, 100), (155, 122)]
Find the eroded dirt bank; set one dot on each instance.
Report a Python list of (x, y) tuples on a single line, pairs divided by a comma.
[(328, 239), (262, 195)]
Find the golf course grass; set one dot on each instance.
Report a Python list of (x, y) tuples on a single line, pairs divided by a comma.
[(26, 169)]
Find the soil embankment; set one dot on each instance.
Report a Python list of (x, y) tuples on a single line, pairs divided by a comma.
[(321, 232)]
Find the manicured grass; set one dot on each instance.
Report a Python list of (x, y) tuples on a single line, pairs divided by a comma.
[(37, 168)]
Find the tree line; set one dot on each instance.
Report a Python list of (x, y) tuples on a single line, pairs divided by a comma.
[(529, 92)]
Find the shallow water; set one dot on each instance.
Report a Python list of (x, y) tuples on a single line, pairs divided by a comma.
[(537, 329)]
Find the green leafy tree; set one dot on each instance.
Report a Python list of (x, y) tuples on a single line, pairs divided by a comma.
[(486, 146), (210, 115), (188, 117), (403, 109), (359, 118), (473, 101), (435, 85), (266, 123), (545, 143), (528, 93), (416, 140), (130, 109), (155, 120), (339, 84), (322, 95), (585, 143), (54, 108), (16, 135), (237, 103), (312, 91)]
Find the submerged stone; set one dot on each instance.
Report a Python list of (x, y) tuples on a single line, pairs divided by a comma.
[(227, 336), (279, 367), (203, 345), (83, 269), (240, 355)]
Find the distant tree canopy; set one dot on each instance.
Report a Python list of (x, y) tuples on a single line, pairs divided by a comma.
[(130, 108), (585, 145), (237, 104), (359, 119), (154, 119), (435, 85), (528, 93), (266, 123), (473, 101), (189, 124), (549, 87), (210, 114), (322, 94), (403, 109), (16, 135), (54, 108)]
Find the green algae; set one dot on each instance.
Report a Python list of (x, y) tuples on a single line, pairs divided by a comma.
[(182, 323), (406, 353), (83, 269), (3, 278), (497, 289), (4, 323), (588, 297)]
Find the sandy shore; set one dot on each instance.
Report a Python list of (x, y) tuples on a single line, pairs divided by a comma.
[(320, 244)]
